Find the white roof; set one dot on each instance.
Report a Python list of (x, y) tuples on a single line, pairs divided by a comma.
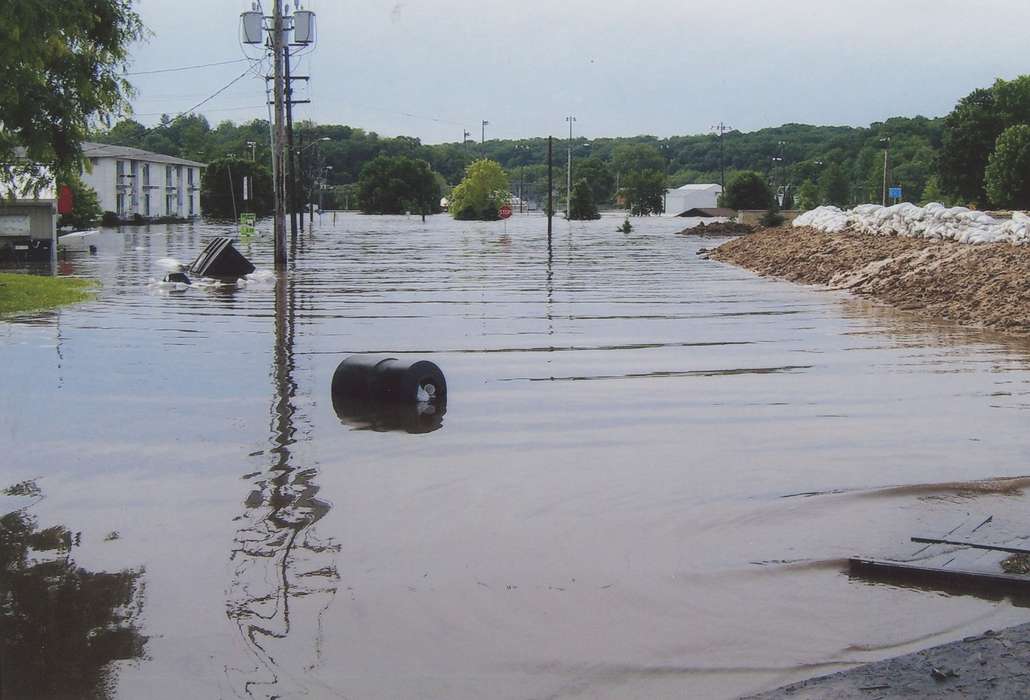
[(91, 149), (700, 187)]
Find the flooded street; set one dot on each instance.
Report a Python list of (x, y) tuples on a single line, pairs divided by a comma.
[(651, 470)]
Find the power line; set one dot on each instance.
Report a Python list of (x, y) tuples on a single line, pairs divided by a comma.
[(181, 68), (222, 89)]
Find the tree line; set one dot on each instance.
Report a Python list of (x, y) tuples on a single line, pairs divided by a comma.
[(976, 155)]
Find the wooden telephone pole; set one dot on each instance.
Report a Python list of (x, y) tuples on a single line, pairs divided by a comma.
[(280, 143)]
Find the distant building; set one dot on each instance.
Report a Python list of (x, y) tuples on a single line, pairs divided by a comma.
[(131, 181), (691, 197)]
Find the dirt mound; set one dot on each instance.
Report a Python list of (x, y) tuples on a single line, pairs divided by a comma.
[(719, 228), (985, 285)]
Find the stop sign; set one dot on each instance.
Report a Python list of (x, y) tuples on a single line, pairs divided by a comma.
[(505, 212)]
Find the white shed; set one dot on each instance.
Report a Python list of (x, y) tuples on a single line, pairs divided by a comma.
[(691, 197)]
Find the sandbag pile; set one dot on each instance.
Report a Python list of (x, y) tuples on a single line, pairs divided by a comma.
[(934, 221)]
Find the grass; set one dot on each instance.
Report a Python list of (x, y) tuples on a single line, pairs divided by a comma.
[(19, 292)]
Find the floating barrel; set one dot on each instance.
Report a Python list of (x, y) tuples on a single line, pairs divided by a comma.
[(372, 392), (219, 259), (389, 380)]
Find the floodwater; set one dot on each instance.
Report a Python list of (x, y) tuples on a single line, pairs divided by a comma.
[(650, 473)]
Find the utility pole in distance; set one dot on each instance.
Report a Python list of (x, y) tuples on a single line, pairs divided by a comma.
[(482, 138), (568, 193), (550, 185), (886, 161), (721, 129)]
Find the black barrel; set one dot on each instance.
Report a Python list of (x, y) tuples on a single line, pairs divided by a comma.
[(388, 380)]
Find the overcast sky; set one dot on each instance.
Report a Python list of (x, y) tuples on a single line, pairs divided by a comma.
[(431, 68)]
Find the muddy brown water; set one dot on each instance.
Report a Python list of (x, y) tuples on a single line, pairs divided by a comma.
[(650, 472)]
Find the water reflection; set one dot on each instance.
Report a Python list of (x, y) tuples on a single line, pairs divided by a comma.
[(415, 418), (284, 577), (62, 625)]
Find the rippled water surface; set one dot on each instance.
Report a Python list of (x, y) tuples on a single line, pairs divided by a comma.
[(650, 472)]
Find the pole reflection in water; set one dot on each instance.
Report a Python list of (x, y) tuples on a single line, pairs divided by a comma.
[(284, 577)]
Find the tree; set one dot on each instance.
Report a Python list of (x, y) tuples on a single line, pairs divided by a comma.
[(1008, 171), (645, 192), (747, 190), (221, 192), (86, 210), (972, 130), (480, 195), (631, 158), (834, 186), (398, 184), (62, 64), (600, 179), (582, 206), (808, 196)]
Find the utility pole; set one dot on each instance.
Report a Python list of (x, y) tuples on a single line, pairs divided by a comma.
[(465, 140), (568, 192), (291, 169), (482, 138), (301, 26), (299, 172), (886, 163), (279, 144), (721, 129), (550, 185)]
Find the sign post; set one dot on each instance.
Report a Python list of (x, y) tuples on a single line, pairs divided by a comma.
[(247, 221), (505, 213)]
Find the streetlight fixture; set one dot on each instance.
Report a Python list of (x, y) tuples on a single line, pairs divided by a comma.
[(253, 150)]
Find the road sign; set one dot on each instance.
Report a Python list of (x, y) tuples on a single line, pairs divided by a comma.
[(505, 212), (247, 222), (895, 193)]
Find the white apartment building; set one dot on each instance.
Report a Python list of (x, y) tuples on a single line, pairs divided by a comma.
[(130, 181)]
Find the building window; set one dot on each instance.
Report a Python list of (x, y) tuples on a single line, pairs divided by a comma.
[(121, 205), (189, 176), (191, 203), (146, 174), (168, 176), (146, 203)]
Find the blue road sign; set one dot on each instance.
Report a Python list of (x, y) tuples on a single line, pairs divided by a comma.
[(895, 192)]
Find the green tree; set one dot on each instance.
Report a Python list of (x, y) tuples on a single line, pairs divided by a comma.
[(398, 184), (221, 191), (480, 195), (629, 158), (582, 206), (598, 176), (747, 190), (933, 192), (1008, 171), (808, 196), (645, 192), (834, 186), (86, 210), (972, 130), (62, 66)]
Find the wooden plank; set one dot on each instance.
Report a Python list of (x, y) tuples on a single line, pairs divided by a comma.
[(972, 545), (938, 577)]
